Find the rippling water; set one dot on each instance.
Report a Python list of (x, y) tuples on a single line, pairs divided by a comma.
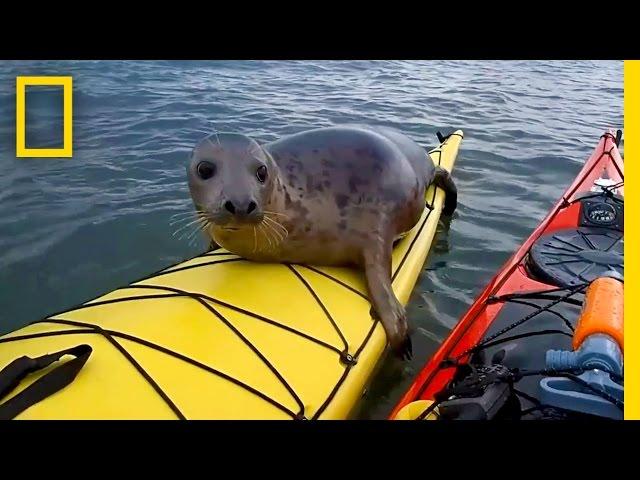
[(71, 230)]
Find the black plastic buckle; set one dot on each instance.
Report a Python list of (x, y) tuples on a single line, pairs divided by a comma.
[(347, 358)]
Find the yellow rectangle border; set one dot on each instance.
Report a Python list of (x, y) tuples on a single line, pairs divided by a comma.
[(632, 240), (67, 148)]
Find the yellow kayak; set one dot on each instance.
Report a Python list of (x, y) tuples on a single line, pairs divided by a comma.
[(214, 337)]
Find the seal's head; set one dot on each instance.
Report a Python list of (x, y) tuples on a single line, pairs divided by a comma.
[(231, 179)]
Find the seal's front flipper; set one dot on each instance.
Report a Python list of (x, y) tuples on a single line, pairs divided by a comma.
[(444, 180), (385, 305)]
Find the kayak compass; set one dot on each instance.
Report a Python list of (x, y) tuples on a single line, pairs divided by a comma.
[(601, 213), (603, 210)]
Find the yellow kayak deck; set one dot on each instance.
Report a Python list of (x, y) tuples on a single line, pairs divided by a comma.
[(219, 337)]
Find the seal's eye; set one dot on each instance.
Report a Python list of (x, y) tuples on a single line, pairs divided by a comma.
[(261, 173), (206, 170)]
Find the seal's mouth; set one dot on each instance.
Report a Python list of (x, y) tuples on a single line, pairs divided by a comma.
[(235, 223)]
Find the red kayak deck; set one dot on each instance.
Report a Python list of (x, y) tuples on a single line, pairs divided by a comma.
[(515, 277)]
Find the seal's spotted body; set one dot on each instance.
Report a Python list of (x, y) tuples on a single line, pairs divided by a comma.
[(330, 196)]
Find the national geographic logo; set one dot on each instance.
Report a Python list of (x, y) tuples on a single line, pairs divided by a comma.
[(67, 148)]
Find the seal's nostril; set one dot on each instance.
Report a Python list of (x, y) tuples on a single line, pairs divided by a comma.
[(229, 206), (252, 206)]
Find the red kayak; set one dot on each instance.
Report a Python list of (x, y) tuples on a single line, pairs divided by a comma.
[(544, 339)]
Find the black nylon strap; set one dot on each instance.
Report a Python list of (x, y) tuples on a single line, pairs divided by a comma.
[(55, 380)]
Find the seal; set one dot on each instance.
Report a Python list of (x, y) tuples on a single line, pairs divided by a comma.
[(335, 196)]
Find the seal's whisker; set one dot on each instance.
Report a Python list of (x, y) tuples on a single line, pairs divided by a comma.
[(181, 214), (196, 226), (251, 150), (269, 231), (177, 222), (193, 222), (182, 217), (263, 230), (193, 240), (279, 225), (268, 227), (205, 226), (187, 216), (255, 240), (192, 232), (277, 233), (217, 138), (192, 235), (279, 236), (275, 213), (184, 236), (198, 229)]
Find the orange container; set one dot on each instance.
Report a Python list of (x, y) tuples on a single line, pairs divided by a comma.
[(602, 312)]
